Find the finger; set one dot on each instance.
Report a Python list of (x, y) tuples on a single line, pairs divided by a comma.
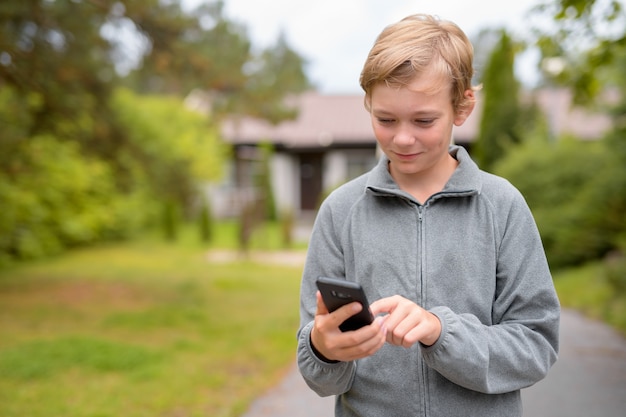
[(388, 304), (321, 307), (366, 341), (417, 326), (395, 338), (373, 343), (401, 321), (412, 337), (383, 305), (400, 335), (398, 315), (427, 331)]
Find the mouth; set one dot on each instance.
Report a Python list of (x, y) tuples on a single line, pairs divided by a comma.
[(406, 156)]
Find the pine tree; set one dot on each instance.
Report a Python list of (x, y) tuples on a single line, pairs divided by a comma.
[(501, 108)]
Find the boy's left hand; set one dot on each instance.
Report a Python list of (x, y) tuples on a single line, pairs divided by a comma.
[(407, 323)]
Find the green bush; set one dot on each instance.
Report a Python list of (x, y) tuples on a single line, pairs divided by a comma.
[(173, 147), (616, 267), (53, 198), (577, 192), (58, 191)]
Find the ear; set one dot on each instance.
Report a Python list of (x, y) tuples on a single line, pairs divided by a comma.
[(465, 108)]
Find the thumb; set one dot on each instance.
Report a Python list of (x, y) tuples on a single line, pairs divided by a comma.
[(341, 314), (321, 307)]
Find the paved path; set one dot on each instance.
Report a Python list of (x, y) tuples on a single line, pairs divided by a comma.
[(589, 379)]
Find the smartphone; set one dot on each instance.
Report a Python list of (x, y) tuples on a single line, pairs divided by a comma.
[(339, 292)]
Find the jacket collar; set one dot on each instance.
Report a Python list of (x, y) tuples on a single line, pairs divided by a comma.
[(464, 181)]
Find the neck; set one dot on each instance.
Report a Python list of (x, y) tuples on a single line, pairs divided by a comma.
[(425, 184)]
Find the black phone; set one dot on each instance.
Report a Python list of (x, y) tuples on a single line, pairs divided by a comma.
[(339, 292)]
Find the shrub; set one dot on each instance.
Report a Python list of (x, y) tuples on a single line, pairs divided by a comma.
[(53, 198), (577, 192), (616, 267)]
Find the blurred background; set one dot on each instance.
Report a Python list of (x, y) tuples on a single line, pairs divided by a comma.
[(154, 154)]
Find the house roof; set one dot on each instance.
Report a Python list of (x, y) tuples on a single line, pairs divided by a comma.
[(341, 120), (323, 120)]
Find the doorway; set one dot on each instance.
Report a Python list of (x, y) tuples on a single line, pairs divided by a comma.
[(310, 180)]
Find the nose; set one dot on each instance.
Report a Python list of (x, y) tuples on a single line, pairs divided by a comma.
[(404, 136)]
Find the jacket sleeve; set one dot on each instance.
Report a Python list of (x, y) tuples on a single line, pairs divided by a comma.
[(518, 348), (324, 258)]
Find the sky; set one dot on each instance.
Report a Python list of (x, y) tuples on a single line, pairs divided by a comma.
[(335, 36)]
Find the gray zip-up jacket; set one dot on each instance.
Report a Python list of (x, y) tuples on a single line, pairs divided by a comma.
[(472, 255)]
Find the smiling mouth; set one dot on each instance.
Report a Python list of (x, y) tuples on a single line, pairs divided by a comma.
[(406, 156)]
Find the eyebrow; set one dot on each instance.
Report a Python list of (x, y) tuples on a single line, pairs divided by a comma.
[(383, 112)]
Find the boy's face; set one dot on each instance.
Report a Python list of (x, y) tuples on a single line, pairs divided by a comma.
[(413, 126)]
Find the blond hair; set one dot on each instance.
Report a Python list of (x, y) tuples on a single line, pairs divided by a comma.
[(415, 45)]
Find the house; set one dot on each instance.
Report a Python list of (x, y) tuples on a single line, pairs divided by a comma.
[(331, 141)]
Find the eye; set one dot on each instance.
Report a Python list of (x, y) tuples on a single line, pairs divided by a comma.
[(425, 122), (384, 120)]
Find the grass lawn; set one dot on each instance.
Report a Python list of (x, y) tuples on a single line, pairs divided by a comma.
[(143, 329), (588, 290)]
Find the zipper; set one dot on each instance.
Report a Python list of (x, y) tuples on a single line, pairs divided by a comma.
[(421, 249)]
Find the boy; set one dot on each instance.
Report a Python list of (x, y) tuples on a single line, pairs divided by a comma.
[(466, 310)]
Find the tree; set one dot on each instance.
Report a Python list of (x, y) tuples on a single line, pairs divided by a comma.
[(169, 147), (501, 109), (52, 52), (61, 67), (277, 66), (60, 63), (211, 53), (65, 57), (590, 40), (589, 37), (201, 49), (577, 190)]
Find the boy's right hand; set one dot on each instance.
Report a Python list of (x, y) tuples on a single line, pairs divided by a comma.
[(333, 344)]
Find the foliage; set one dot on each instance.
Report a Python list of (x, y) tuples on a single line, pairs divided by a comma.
[(277, 66), (499, 125), (53, 51), (72, 54), (577, 192), (53, 198), (201, 49), (143, 329), (55, 195), (587, 288), (168, 146), (588, 38), (198, 49), (61, 65), (616, 267)]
